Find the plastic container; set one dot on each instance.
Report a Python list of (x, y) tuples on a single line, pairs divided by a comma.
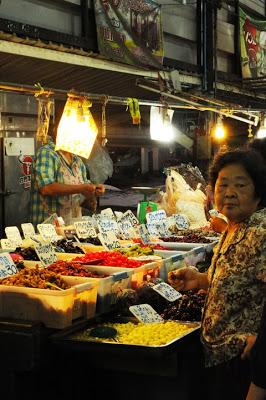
[(55, 308), (108, 287), (137, 275), (168, 253), (191, 257)]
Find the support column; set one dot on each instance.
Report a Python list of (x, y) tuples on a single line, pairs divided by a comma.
[(155, 159), (144, 160)]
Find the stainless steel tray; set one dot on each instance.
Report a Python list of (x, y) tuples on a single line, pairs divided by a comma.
[(67, 338)]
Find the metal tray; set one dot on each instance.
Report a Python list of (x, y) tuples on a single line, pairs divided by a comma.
[(65, 338)]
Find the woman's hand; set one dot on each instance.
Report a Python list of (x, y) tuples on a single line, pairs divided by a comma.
[(249, 344), (99, 190), (88, 189), (187, 278)]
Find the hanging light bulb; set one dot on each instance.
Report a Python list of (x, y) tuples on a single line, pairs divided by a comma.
[(261, 133), (219, 131), (161, 127), (77, 130)]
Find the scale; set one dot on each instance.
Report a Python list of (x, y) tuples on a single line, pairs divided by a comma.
[(145, 206)]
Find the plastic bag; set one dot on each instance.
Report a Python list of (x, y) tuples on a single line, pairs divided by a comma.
[(100, 164), (180, 198)]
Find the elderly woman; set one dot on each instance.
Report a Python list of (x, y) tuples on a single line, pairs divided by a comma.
[(236, 279)]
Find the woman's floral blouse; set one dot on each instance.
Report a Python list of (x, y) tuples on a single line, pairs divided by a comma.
[(237, 290)]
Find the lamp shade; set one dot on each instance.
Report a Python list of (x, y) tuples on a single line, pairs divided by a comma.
[(77, 130)]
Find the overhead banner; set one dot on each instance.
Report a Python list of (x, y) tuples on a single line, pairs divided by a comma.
[(130, 31), (252, 46)]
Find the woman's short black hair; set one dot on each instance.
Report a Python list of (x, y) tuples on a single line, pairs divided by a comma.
[(253, 163)]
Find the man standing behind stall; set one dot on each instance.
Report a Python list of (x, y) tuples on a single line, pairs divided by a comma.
[(60, 184)]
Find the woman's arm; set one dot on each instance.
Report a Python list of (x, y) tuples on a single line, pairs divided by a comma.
[(61, 189)]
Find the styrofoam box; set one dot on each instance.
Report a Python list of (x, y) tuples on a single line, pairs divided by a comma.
[(55, 308), (108, 287)]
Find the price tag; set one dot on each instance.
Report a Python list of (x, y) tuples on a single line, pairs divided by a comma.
[(144, 234), (152, 229), (45, 253), (87, 218), (145, 313), (118, 215), (181, 221), (108, 225), (6, 244), (7, 266), (155, 216), (167, 291), (213, 213), (48, 232), (162, 228), (61, 221), (131, 217), (109, 240), (85, 229), (133, 232), (108, 212), (124, 226), (13, 235), (28, 230)]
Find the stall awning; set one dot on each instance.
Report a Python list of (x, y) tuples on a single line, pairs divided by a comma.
[(63, 68)]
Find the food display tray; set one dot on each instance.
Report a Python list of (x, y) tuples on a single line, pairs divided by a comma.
[(65, 339), (180, 246)]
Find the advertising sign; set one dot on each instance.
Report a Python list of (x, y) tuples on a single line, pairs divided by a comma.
[(130, 31), (252, 46)]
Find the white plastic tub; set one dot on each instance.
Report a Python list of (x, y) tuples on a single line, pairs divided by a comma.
[(55, 308)]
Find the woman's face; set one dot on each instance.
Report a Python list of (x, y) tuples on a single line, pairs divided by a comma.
[(234, 193)]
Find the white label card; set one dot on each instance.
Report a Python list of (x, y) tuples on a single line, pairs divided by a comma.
[(213, 213), (131, 217), (145, 313), (6, 244), (28, 230), (85, 229), (45, 253), (133, 232), (152, 229), (13, 234), (162, 228), (109, 240), (48, 232), (7, 266), (108, 225), (156, 216), (108, 212), (144, 234), (181, 221), (124, 226), (167, 291)]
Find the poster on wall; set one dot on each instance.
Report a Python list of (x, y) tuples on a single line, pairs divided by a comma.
[(130, 31), (252, 46)]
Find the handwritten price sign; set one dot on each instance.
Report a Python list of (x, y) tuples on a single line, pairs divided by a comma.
[(7, 266), (145, 313), (85, 229), (45, 253), (167, 291)]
